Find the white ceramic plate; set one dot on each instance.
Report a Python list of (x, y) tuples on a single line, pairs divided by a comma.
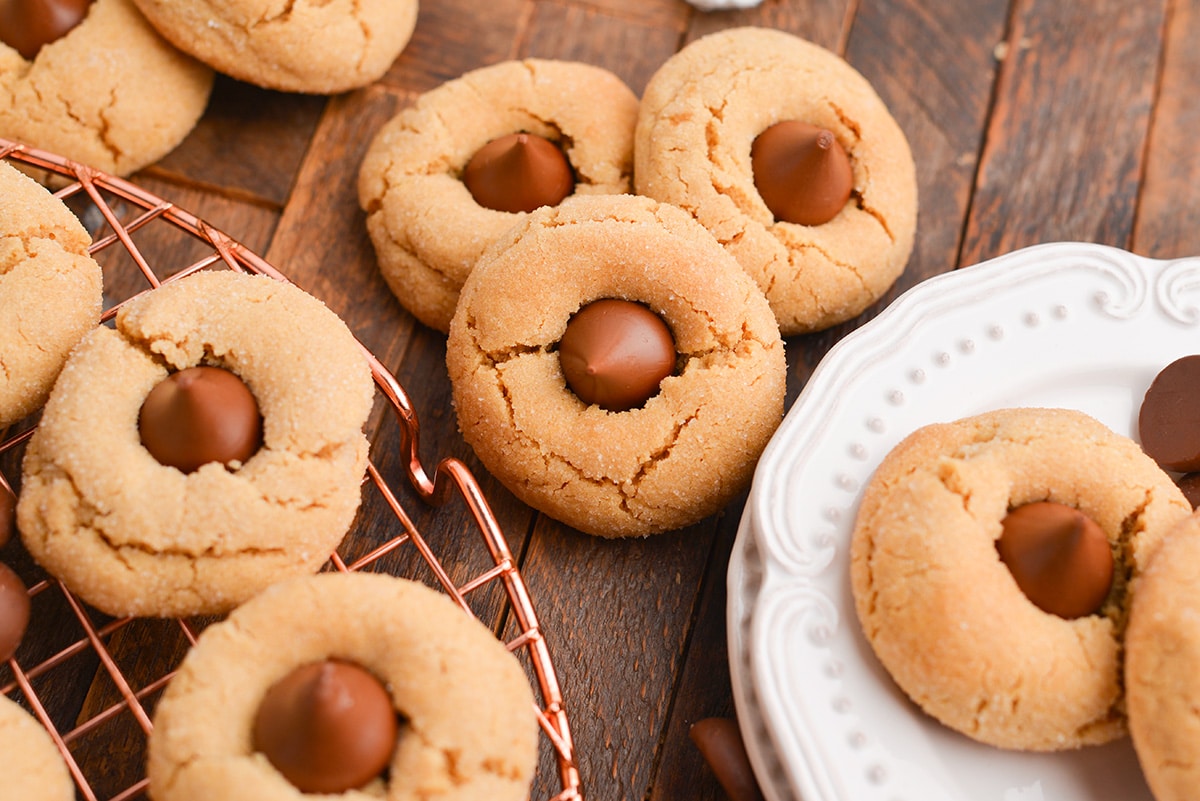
[(1071, 325)]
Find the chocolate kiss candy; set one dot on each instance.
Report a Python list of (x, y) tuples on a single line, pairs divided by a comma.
[(519, 172), (200, 415), (615, 353), (1169, 420), (801, 172), (1059, 557), (14, 611), (27, 25), (328, 727), (8, 509), (1190, 486), (721, 744)]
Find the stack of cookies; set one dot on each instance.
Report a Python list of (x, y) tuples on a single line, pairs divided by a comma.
[(206, 453), (617, 359), (50, 297)]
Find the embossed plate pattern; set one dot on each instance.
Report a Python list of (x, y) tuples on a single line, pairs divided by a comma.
[(1067, 324)]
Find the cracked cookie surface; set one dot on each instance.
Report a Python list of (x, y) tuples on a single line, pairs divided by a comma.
[(699, 116), (467, 727), (132, 536), (944, 614), (50, 291), (310, 46), (684, 453), (1162, 666), (427, 229), (111, 93), (29, 761)]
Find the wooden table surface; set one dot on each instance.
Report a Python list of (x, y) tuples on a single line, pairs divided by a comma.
[(1030, 121)]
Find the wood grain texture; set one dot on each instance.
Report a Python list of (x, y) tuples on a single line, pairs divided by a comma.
[(1064, 148), (1166, 218), (632, 50), (455, 36), (825, 22), (248, 145)]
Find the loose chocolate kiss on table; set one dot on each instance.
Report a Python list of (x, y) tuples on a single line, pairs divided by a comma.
[(8, 512), (802, 172), (519, 172), (14, 611), (720, 743), (328, 727), (615, 353), (200, 415), (28, 25)]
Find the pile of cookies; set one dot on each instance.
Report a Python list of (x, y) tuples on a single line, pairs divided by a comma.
[(117, 84), (617, 358), (1026, 576), (206, 453)]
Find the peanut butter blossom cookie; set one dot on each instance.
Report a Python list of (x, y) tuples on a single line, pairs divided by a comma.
[(637, 393), (1162, 666), (92, 81), (207, 446), (789, 157), (50, 291), (29, 761), (446, 177), (991, 563), (314, 47), (361, 685)]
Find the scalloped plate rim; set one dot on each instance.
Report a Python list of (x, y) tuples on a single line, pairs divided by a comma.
[(767, 562)]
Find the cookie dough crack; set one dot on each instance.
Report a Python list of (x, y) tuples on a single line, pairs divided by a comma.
[(281, 16), (120, 549), (661, 455)]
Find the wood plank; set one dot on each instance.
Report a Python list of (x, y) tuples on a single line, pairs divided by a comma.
[(671, 14), (322, 243), (631, 49), (1064, 149), (617, 615), (248, 144), (825, 22), (454, 36), (1166, 226)]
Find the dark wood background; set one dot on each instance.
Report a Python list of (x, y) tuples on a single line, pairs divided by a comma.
[(1030, 121)]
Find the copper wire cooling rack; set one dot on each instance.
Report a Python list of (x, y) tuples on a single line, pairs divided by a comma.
[(102, 737)]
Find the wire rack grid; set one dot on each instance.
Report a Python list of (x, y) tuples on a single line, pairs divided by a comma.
[(127, 209)]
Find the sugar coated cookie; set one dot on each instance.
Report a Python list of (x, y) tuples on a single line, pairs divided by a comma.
[(946, 615), (427, 226), (1162, 666), (110, 93), (133, 535), (603, 465), (50, 291), (313, 47), (30, 763), (465, 711), (711, 103)]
